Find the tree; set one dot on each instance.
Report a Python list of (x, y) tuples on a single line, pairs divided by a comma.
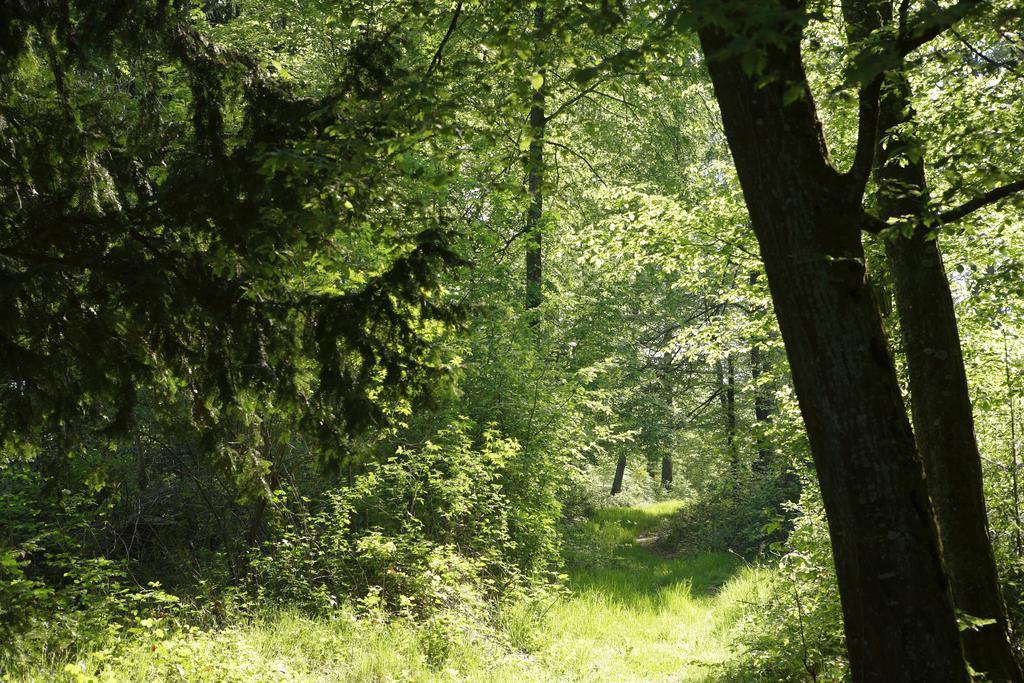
[(808, 216), (179, 222), (940, 401), (535, 169)]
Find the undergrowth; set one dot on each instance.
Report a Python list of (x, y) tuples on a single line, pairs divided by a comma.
[(628, 613)]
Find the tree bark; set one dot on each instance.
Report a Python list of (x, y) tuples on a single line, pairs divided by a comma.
[(535, 180), (940, 400), (620, 471), (666, 471), (898, 613)]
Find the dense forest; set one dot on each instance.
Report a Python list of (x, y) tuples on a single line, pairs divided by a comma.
[(477, 340)]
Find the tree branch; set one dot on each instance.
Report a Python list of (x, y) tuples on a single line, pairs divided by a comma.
[(571, 101), (984, 57), (867, 137), (439, 53), (981, 201), (931, 23), (578, 156), (875, 225), (693, 413)]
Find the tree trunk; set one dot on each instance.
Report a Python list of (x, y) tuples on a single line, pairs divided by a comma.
[(620, 471), (730, 413), (762, 410), (727, 378), (666, 471), (141, 470), (897, 610), (1014, 463), (535, 180), (940, 401)]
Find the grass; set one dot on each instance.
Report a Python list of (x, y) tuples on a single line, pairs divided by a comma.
[(645, 617), (631, 614)]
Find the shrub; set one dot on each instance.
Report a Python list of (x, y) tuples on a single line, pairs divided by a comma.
[(442, 527), (797, 633), (56, 595), (743, 517)]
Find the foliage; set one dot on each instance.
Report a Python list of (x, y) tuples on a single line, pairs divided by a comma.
[(223, 234), (438, 527), (57, 598), (600, 632), (264, 342), (796, 632), (743, 517)]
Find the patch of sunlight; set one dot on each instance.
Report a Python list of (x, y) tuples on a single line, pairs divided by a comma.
[(650, 633)]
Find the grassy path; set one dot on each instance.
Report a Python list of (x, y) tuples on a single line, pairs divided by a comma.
[(641, 616)]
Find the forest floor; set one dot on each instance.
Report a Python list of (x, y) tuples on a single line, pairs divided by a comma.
[(630, 613)]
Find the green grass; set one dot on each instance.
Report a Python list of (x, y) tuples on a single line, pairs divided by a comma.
[(646, 617), (636, 615)]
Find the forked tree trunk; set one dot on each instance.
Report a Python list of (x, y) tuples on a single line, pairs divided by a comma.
[(620, 471), (940, 401), (898, 613)]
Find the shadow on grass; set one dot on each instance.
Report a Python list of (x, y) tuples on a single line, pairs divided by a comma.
[(634, 571)]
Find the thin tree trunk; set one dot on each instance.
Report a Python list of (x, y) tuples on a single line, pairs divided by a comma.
[(730, 412), (762, 409), (940, 400), (535, 179), (727, 378), (667, 388), (620, 471), (898, 613), (1014, 462), (141, 472)]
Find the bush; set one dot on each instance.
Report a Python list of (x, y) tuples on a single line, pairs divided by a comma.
[(443, 527), (56, 595), (743, 517), (796, 634)]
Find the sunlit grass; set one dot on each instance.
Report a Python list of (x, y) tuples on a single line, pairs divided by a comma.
[(646, 617), (636, 616)]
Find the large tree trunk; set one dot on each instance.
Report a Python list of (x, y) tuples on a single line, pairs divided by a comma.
[(940, 401), (666, 471), (535, 180), (898, 613)]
